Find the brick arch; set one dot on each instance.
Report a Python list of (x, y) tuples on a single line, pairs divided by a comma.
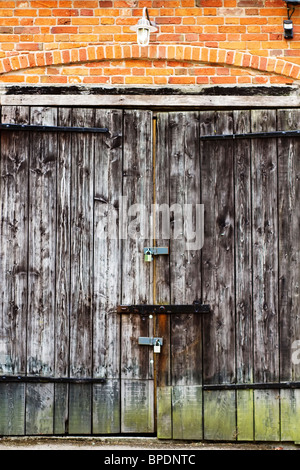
[(178, 52)]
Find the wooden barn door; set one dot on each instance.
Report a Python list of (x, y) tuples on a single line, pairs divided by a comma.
[(77, 210)]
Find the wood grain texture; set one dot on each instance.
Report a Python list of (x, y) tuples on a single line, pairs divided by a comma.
[(63, 246), (218, 251), (162, 285), (42, 241), (106, 408), (187, 412), (243, 249), (185, 262), (245, 415), (290, 415), (164, 413), (12, 409), (289, 257), (267, 415), (265, 248), (107, 245), (137, 276), (220, 415), (82, 224), (39, 409), (80, 409), (14, 206)]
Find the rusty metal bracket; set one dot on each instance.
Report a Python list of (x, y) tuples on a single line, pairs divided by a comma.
[(195, 307)]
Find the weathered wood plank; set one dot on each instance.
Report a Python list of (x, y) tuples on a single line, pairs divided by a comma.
[(12, 409), (63, 237), (39, 409), (155, 100), (218, 250), (265, 248), (290, 415), (137, 276), (14, 164), (107, 249), (187, 412), (161, 229), (220, 415), (266, 415), (61, 408), (80, 409), (82, 224), (245, 415), (164, 412), (185, 254), (107, 273), (106, 408), (289, 255), (137, 406), (42, 229), (243, 250)]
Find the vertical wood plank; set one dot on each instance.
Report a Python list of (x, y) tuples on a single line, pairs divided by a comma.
[(136, 274), (164, 412), (61, 408), (137, 406), (185, 262), (39, 409), (42, 229), (41, 279), (266, 415), (14, 163), (243, 249), (290, 415), (265, 248), (187, 412), (63, 237), (106, 407), (107, 272), (289, 255), (218, 250), (80, 409), (107, 253), (245, 415), (162, 222), (12, 409), (82, 224), (220, 415), (81, 276)]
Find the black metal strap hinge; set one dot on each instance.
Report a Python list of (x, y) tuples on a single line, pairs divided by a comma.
[(40, 128), (252, 135), (41, 379), (195, 307)]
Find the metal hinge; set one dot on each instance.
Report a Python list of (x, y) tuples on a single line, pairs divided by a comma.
[(40, 128)]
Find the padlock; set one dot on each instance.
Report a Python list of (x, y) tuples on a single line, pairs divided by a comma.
[(148, 255), (157, 346)]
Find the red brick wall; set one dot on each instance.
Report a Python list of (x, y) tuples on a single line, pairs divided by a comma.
[(197, 42)]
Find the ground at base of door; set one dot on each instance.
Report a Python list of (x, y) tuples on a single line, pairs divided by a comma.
[(132, 443)]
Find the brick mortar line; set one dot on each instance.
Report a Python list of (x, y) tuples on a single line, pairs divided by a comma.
[(177, 52)]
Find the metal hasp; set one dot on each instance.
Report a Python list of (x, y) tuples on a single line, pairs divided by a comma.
[(149, 341), (157, 250), (195, 307)]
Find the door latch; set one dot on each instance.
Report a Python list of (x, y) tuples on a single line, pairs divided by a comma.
[(150, 341), (154, 251)]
